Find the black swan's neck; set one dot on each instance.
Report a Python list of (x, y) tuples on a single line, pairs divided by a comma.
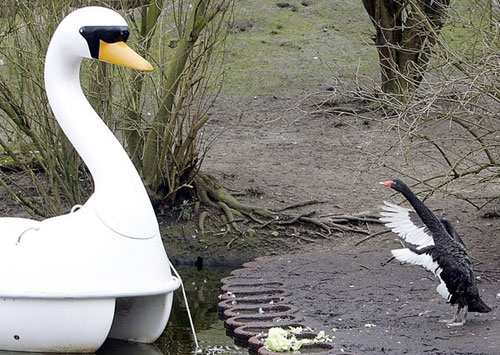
[(425, 214)]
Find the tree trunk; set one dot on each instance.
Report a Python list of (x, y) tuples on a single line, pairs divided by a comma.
[(155, 151), (406, 31)]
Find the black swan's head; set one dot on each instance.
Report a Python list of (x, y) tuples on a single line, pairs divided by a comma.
[(395, 184)]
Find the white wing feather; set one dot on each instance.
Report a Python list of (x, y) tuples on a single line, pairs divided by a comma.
[(398, 220), (425, 260)]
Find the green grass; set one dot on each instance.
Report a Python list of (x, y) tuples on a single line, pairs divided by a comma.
[(470, 26), (280, 47)]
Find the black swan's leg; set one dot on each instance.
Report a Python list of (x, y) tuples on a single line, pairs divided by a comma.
[(460, 317), (464, 315)]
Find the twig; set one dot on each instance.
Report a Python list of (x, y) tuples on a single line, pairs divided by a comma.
[(388, 261), (372, 236), (231, 241), (347, 229), (300, 204)]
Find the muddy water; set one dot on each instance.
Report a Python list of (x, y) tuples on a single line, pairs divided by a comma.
[(203, 288)]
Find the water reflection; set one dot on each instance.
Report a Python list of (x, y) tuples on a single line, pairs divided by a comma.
[(203, 289), (117, 347)]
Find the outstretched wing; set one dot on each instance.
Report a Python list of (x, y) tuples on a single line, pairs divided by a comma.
[(406, 224), (427, 258)]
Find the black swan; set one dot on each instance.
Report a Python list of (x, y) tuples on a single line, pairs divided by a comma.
[(438, 248)]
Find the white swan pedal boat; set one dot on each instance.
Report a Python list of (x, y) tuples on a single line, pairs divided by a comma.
[(69, 282)]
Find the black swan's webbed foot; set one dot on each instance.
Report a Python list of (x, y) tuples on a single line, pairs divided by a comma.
[(459, 319)]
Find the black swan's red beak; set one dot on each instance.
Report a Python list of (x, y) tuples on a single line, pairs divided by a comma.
[(387, 183)]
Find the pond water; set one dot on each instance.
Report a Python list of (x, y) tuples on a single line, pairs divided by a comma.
[(203, 289)]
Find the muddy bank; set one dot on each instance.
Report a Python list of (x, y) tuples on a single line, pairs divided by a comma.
[(370, 307)]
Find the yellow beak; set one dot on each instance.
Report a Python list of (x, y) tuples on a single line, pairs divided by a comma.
[(121, 54)]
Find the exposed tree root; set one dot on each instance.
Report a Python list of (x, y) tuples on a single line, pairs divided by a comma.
[(201, 222), (367, 217), (286, 222), (316, 222), (209, 190), (300, 204), (212, 193)]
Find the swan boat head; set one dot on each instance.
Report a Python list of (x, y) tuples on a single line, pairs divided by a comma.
[(120, 199), (98, 33)]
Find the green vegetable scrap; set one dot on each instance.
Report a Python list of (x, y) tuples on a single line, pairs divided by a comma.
[(283, 340)]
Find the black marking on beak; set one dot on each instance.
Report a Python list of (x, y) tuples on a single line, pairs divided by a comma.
[(108, 34)]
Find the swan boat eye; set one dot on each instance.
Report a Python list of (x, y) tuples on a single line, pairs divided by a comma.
[(109, 34)]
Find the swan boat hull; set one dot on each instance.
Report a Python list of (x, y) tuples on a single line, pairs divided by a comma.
[(80, 325), (71, 301)]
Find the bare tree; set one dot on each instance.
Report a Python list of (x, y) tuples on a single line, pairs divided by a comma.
[(453, 116)]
